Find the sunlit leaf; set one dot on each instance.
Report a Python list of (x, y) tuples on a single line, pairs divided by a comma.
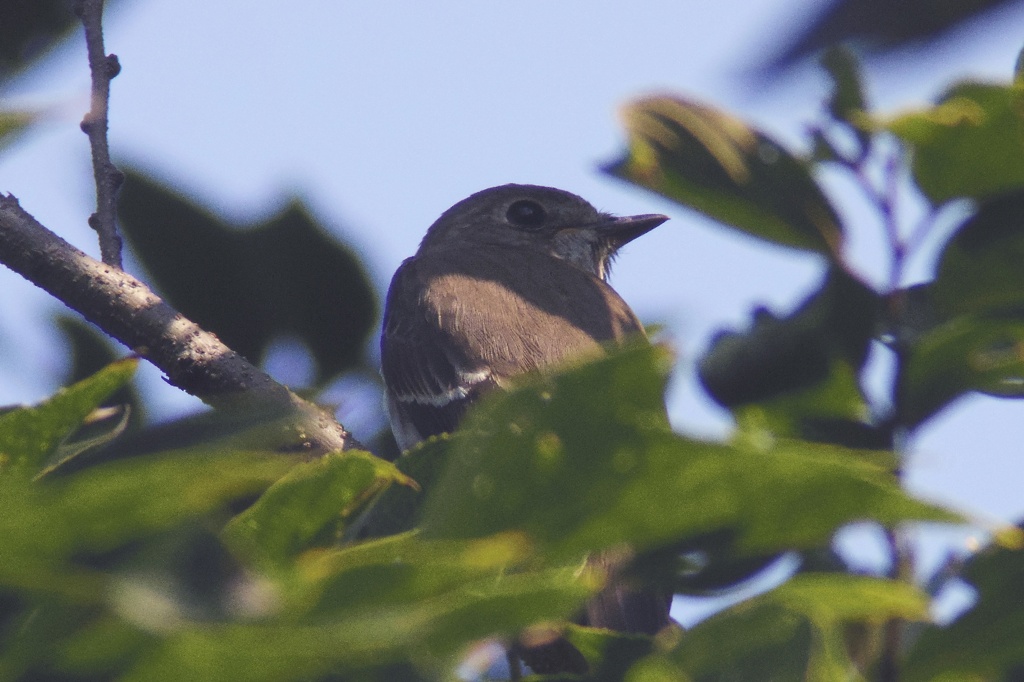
[(583, 461), (29, 435), (796, 631), (709, 161), (970, 144), (103, 426), (399, 508), (309, 505), (46, 523), (402, 600)]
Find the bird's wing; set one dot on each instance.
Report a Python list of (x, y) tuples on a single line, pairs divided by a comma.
[(428, 387)]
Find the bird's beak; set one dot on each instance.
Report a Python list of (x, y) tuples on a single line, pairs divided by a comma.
[(621, 231)]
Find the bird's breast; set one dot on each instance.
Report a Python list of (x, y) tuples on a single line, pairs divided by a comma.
[(518, 312)]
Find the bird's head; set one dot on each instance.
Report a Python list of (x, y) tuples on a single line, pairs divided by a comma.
[(550, 220)]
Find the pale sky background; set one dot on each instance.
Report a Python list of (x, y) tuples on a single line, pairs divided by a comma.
[(382, 114)]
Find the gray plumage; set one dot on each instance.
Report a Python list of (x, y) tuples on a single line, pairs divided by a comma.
[(497, 289), (510, 280)]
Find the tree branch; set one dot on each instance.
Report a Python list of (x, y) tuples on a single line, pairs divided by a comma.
[(108, 179), (193, 359)]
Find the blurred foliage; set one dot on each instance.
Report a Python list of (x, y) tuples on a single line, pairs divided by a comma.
[(878, 25), (799, 375), (284, 277), (710, 161), (144, 568), (28, 28), (985, 642), (13, 124), (968, 145), (194, 551)]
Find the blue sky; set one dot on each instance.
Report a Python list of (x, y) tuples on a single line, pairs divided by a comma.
[(383, 114)]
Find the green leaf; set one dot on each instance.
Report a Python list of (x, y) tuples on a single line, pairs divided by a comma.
[(984, 642), (970, 144), (399, 508), (104, 426), (797, 376), (599, 432), (707, 160), (253, 284), (609, 654), (100, 649), (833, 411), (45, 524), (309, 506), (30, 435), (966, 354), (979, 270), (796, 631), (91, 351), (381, 603)]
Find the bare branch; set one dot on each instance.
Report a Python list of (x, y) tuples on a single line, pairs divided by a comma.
[(193, 359), (108, 179)]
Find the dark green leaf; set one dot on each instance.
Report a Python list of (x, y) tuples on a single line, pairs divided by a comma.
[(963, 355), (980, 270), (794, 632), (30, 435), (970, 144), (822, 149), (847, 98), (797, 376), (28, 29), (599, 432), (309, 506), (984, 642), (878, 25), (253, 284), (609, 654), (716, 164)]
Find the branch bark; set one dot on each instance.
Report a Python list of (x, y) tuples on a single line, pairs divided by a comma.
[(193, 359), (103, 68)]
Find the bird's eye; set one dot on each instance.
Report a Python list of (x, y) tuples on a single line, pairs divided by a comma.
[(526, 213)]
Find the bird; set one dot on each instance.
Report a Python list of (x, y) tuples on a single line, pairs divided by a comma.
[(511, 280)]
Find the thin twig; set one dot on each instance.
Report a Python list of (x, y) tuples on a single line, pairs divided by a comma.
[(108, 178), (193, 359), (922, 228), (891, 180)]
